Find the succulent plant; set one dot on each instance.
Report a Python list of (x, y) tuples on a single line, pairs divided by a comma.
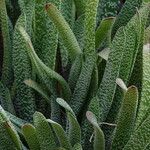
[(72, 75)]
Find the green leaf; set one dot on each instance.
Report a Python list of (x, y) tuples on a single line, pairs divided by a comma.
[(77, 147), (137, 72), (126, 13), (44, 132), (140, 138), (107, 8), (145, 103), (79, 30), (80, 6), (107, 87), (5, 97), (103, 30), (74, 132), (68, 38), (89, 26), (133, 33), (39, 88), (65, 105), (83, 83), (15, 120), (43, 71), (6, 141), (27, 8), (13, 134), (30, 135), (45, 34), (68, 12), (134, 30), (126, 119), (24, 97), (61, 135), (99, 141), (7, 72), (75, 72), (8, 130)]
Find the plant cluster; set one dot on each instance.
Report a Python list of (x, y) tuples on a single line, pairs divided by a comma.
[(71, 76)]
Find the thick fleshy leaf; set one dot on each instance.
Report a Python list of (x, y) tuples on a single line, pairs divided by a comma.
[(80, 7), (75, 72), (77, 147), (45, 34), (99, 141), (145, 99), (134, 33), (83, 83), (7, 72), (6, 100), (137, 72), (24, 97), (43, 71), (39, 88), (44, 132), (30, 135), (79, 30), (68, 37), (64, 104), (126, 13), (126, 119), (140, 138), (103, 31), (107, 87), (7, 130), (15, 120), (74, 131), (68, 12), (6, 141), (61, 135), (104, 53)]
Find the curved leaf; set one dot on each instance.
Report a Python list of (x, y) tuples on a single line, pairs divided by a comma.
[(30, 135), (140, 138), (5, 97), (126, 119), (7, 72), (103, 30), (41, 68), (61, 135), (126, 13), (9, 132), (74, 131), (64, 104), (107, 87), (80, 6), (24, 97), (66, 33), (145, 99), (99, 141), (39, 88), (45, 34), (83, 83), (44, 132), (77, 147)]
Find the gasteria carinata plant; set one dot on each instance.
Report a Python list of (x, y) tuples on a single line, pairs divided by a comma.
[(71, 75)]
